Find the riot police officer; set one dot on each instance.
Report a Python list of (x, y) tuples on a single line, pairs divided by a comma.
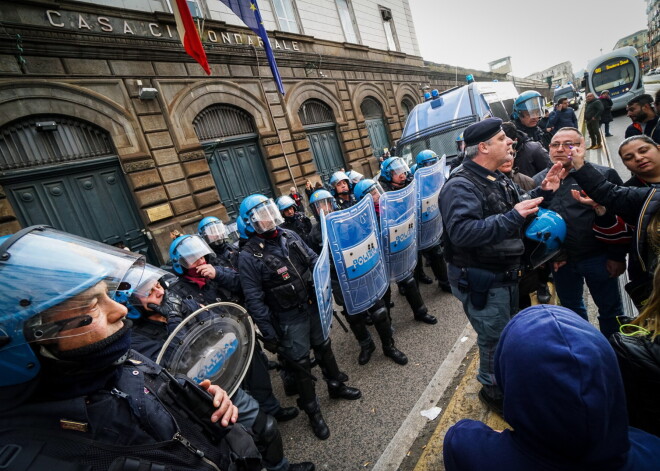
[(275, 267), (73, 394), (395, 175), (379, 313), (159, 315), (215, 233), (483, 214), (340, 185), (293, 220)]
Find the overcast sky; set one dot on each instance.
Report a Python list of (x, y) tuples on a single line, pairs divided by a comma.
[(536, 34)]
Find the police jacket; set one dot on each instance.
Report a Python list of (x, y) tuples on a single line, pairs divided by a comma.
[(276, 276), (481, 227), (148, 337), (221, 288), (581, 242), (298, 223), (531, 158), (343, 204), (137, 422), (536, 134), (227, 281), (650, 128)]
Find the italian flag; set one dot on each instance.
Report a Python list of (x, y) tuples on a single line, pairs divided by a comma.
[(188, 33)]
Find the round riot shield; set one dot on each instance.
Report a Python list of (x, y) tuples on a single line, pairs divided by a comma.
[(215, 343)]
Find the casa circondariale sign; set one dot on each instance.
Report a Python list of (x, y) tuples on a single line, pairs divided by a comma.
[(111, 25)]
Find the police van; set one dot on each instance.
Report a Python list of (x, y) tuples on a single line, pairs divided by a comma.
[(567, 91), (441, 119)]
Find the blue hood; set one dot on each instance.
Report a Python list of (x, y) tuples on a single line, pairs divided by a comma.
[(549, 352)]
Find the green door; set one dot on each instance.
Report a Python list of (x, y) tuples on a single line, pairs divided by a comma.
[(325, 151), (238, 171), (93, 203)]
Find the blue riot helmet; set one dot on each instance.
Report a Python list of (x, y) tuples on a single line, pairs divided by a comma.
[(460, 143), (413, 169), (186, 250), (530, 102), (338, 177), (426, 158), (354, 177), (544, 236), (368, 186), (322, 200), (393, 166), (243, 231), (260, 214), (43, 274), (212, 230), (133, 289), (285, 202)]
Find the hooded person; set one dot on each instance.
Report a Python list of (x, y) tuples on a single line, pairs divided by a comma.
[(564, 399)]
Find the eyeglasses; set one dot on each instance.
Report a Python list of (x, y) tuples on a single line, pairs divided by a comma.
[(565, 145)]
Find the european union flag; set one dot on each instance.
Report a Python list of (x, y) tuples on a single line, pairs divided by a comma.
[(248, 11)]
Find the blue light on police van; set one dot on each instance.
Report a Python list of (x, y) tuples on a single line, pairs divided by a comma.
[(469, 78), (427, 96), (495, 80), (435, 93)]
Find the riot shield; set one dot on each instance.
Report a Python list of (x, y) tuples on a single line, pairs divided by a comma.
[(357, 255), (429, 223), (322, 284), (215, 343), (398, 231)]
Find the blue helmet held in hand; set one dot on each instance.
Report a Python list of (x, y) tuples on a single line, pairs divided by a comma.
[(544, 236)]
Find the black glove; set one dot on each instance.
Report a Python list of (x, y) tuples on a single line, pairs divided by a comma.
[(272, 345), (170, 307)]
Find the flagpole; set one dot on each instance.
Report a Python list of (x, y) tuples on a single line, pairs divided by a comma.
[(270, 112)]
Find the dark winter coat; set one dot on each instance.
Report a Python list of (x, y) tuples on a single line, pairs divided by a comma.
[(606, 117)]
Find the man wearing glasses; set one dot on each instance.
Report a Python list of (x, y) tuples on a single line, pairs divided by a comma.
[(583, 257)]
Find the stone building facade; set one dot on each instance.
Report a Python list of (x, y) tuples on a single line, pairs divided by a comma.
[(109, 130)]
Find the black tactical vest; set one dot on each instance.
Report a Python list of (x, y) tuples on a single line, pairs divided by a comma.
[(498, 197), (290, 278)]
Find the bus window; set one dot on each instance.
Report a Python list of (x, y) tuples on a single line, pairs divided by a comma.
[(616, 75)]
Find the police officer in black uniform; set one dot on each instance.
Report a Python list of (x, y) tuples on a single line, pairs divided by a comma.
[(340, 187), (275, 267), (483, 213)]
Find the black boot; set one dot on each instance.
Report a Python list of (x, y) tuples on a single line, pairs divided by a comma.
[(328, 363), (384, 329), (365, 353), (284, 414), (316, 420), (423, 316), (339, 390), (359, 329)]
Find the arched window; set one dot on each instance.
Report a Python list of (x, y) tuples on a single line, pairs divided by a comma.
[(223, 121), (407, 104), (315, 112), (51, 139), (371, 108)]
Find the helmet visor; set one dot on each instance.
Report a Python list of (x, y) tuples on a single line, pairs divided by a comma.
[(533, 106), (326, 205), (398, 167), (214, 232), (55, 285), (150, 278), (192, 249), (265, 217), (355, 177)]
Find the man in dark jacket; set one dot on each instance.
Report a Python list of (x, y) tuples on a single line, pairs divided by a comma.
[(483, 214), (565, 402), (561, 117), (530, 157), (644, 119), (584, 258), (592, 115), (606, 118)]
